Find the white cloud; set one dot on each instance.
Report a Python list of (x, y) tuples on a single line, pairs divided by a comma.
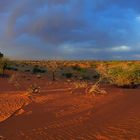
[(122, 48)]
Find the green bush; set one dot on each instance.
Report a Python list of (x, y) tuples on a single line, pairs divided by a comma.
[(79, 69), (38, 70), (68, 75), (3, 65), (122, 76)]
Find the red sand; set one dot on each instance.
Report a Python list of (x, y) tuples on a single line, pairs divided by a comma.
[(62, 115)]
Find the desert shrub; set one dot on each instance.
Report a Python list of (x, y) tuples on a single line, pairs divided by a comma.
[(96, 75), (3, 65), (27, 70), (68, 75), (85, 77), (79, 69), (94, 65), (12, 68), (36, 70), (34, 89), (80, 84), (122, 75), (95, 90)]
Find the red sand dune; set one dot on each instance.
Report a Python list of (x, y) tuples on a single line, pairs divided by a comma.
[(63, 115)]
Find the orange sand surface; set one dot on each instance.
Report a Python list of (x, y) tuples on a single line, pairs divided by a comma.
[(59, 114)]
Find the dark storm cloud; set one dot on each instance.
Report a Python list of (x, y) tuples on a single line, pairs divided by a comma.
[(70, 29)]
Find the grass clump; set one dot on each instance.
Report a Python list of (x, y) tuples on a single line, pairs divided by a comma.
[(121, 75), (34, 89), (3, 65)]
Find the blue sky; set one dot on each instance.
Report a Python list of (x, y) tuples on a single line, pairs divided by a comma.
[(70, 29)]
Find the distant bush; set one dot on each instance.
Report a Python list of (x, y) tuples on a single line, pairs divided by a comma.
[(12, 68), (85, 77), (33, 89), (122, 76), (3, 65), (96, 75), (68, 75), (27, 70), (79, 69), (38, 70)]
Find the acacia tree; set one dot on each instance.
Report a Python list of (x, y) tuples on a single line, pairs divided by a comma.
[(53, 67)]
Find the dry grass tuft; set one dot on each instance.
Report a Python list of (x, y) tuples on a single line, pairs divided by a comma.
[(34, 89), (95, 90), (80, 84)]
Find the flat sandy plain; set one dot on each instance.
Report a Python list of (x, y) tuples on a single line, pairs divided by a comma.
[(60, 112)]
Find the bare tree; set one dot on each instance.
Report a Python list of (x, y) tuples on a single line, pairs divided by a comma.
[(53, 67)]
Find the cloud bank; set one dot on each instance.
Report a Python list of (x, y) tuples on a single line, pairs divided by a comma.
[(67, 29)]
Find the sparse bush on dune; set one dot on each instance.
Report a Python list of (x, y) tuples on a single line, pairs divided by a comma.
[(95, 89), (122, 75)]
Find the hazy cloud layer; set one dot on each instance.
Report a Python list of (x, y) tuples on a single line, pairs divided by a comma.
[(70, 29)]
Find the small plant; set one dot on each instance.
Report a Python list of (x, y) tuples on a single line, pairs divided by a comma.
[(95, 89), (27, 70), (3, 65), (34, 89), (79, 69), (36, 70), (85, 77), (68, 75), (80, 84)]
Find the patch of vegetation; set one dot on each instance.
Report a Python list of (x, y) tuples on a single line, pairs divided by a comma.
[(34, 89), (79, 69), (36, 70), (12, 68), (127, 76), (27, 70), (68, 75), (96, 76), (3, 64), (80, 84), (85, 77)]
